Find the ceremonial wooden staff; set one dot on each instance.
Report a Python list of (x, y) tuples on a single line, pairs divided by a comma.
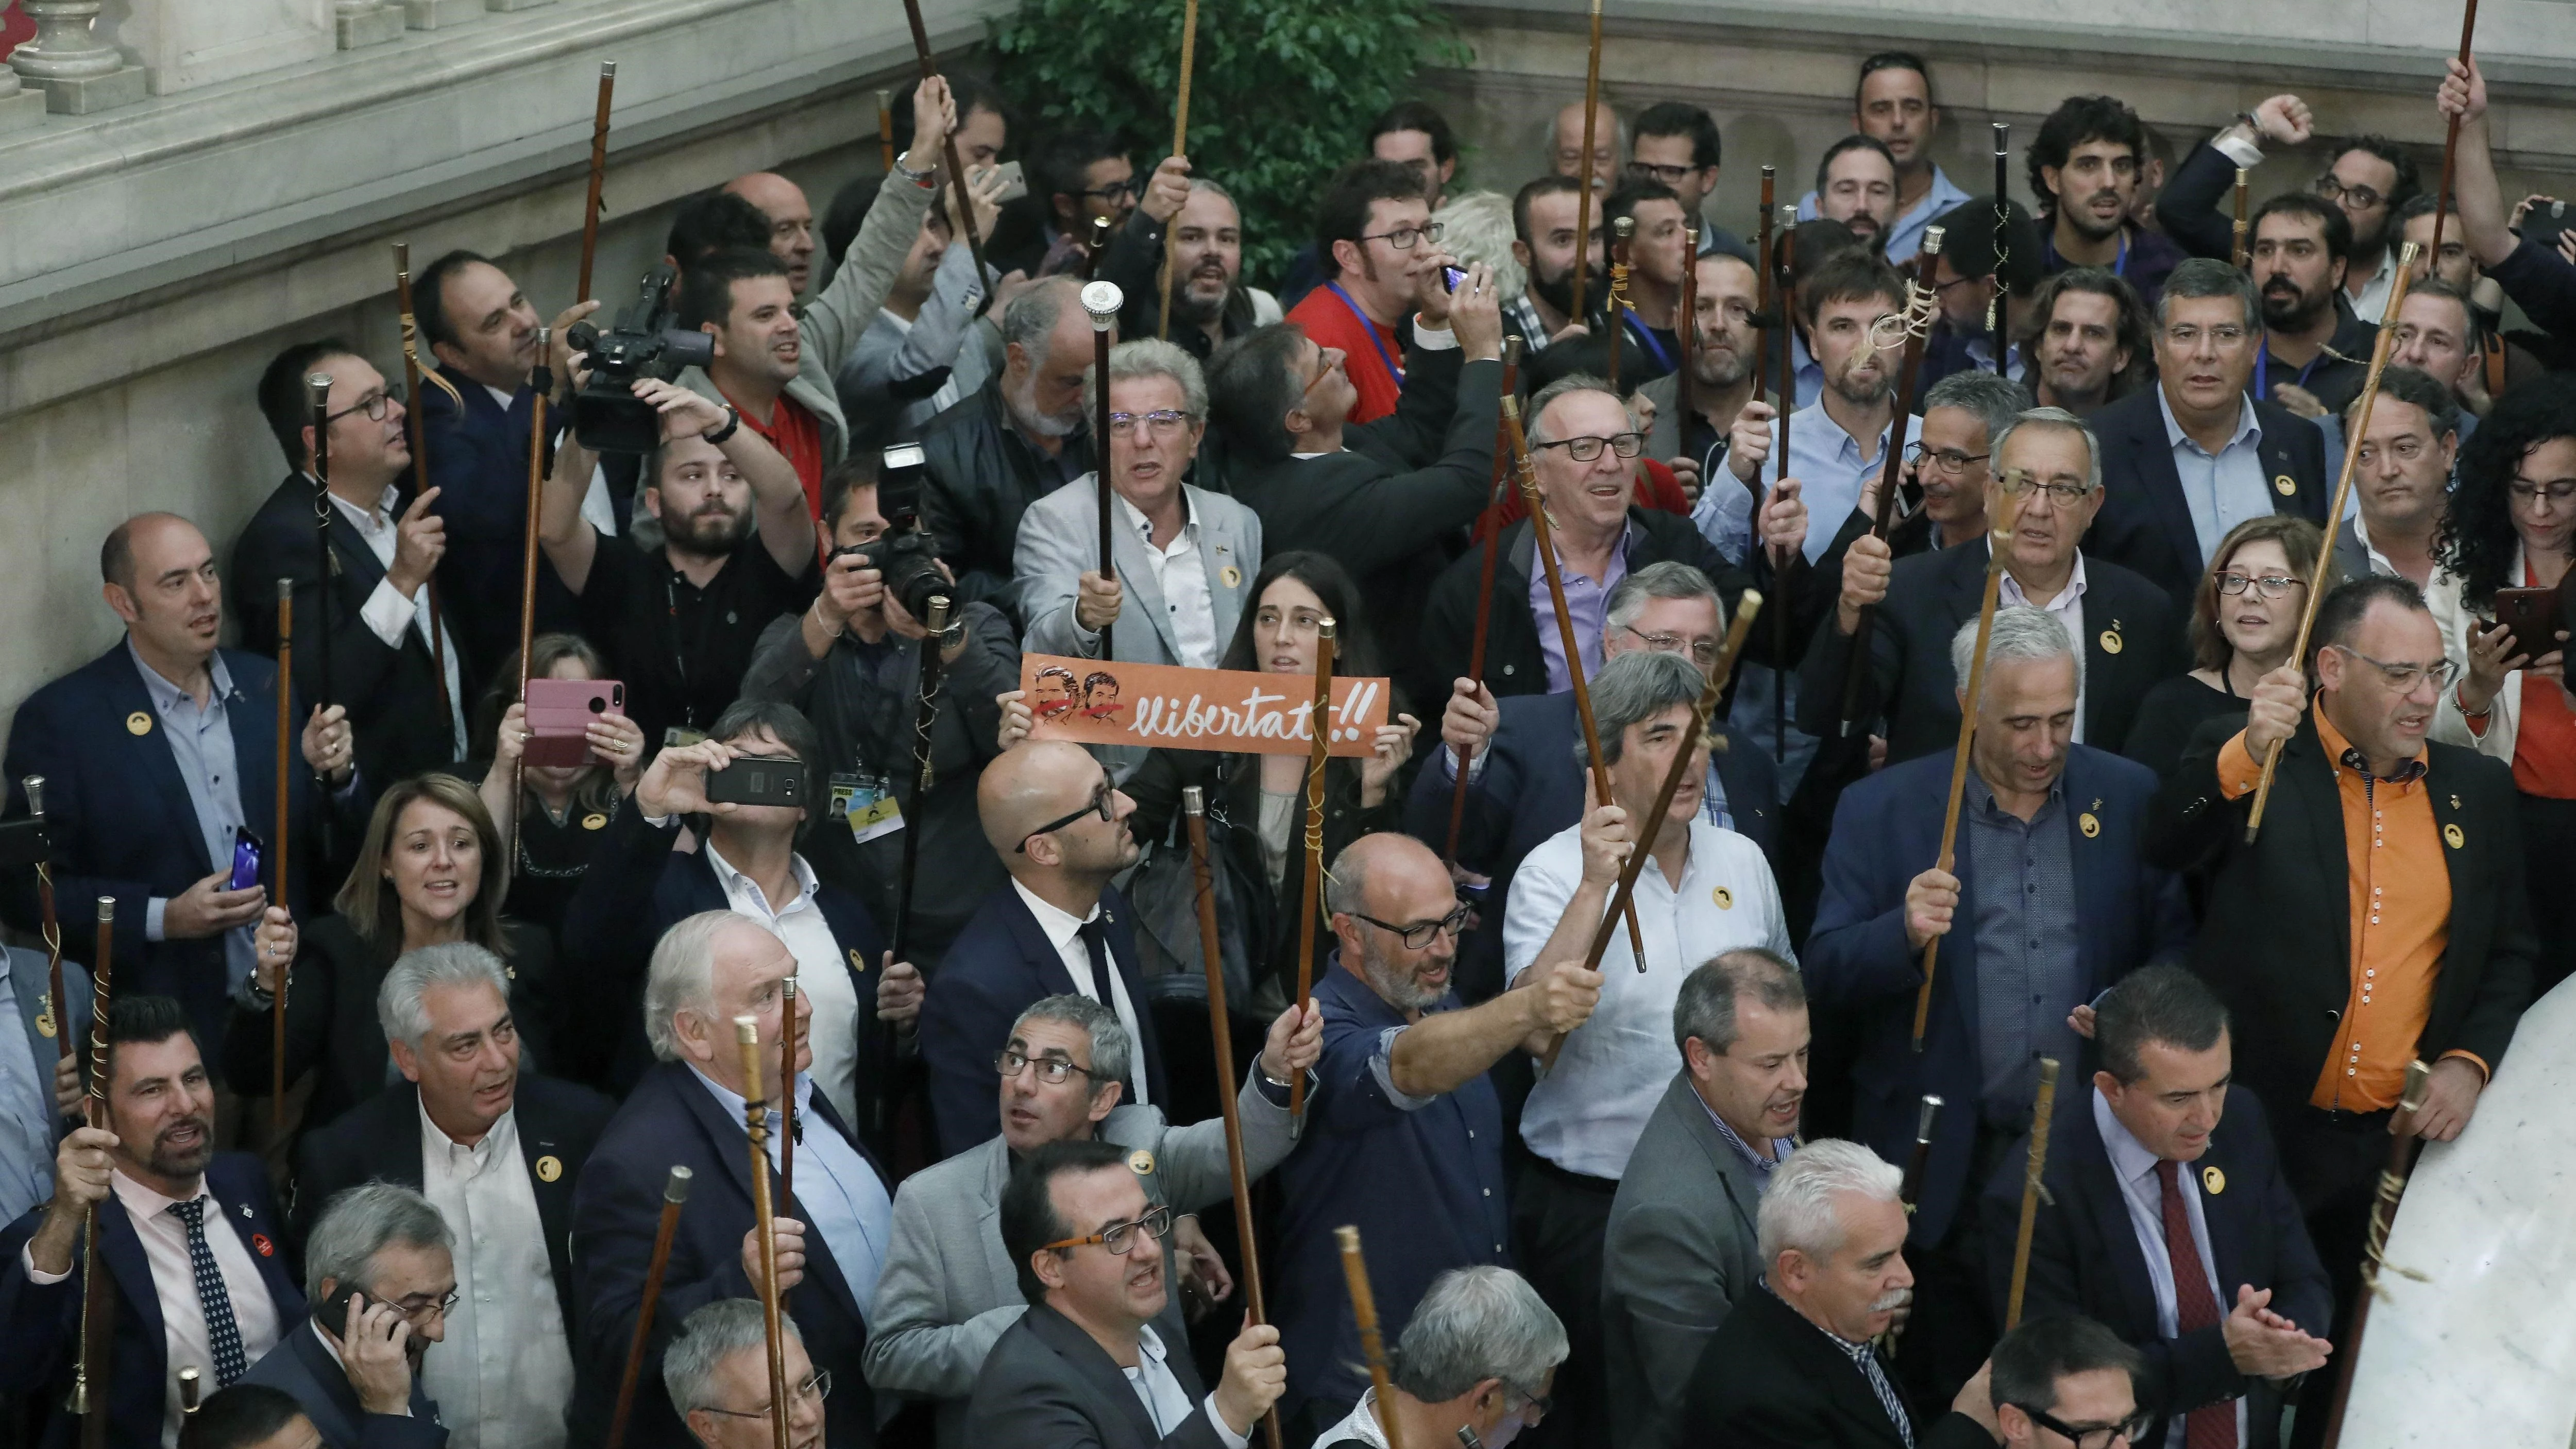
[(674, 1192), (885, 156), (1319, 726), (413, 375), (98, 1313), (2451, 151), (1996, 316), (317, 394), (925, 719), (956, 169), (1180, 147), (1543, 537), (787, 1093), (1763, 322), (277, 854), (2041, 1115), (1685, 333), (35, 787), (1622, 232), (2402, 1143), (598, 175), (1921, 306), (1372, 1342), (1784, 562), (1102, 301), (1221, 1026), (1583, 174), (1491, 523), (2342, 493), (1997, 543), (1094, 247), (1623, 896), (541, 382), (2236, 256), (755, 1121)]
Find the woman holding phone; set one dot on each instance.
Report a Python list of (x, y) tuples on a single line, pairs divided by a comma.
[(563, 811)]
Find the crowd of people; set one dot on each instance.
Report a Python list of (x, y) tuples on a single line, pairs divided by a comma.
[(1663, 1193)]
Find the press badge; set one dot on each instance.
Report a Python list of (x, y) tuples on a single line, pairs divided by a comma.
[(868, 803)]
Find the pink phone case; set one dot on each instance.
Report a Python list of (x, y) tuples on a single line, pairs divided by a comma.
[(559, 710)]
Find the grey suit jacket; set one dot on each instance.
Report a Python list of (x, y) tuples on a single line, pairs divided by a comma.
[(1678, 1254), (1060, 540), (949, 1289)]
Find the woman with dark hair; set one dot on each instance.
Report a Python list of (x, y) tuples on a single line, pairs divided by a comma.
[(2244, 619), (2512, 525), (429, 871), (562, 811)]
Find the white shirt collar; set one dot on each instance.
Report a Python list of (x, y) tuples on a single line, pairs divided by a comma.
[(144, 1204), (1060, 926), (735, 882), (733, 1101), (2129, 1157), (2074, 590), (1144, 526), (462, 1160)]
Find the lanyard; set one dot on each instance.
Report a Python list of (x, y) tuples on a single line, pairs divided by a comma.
[(679, 657), (1393, 372), (1638, 329), (2263, 370)]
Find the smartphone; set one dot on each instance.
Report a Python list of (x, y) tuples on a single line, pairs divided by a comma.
[(247, 856), (559, 710), (2533, 616), (1451, 277), (2541, 226), (759, 780), (334, 1313), (1014, 185)]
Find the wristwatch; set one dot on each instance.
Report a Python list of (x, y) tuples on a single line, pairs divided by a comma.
[(921, 179), (733, 420)]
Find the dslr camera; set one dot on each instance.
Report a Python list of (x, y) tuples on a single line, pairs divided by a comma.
[(906, 555), (607, 416)]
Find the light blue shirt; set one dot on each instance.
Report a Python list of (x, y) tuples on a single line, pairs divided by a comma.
[(1905, 239), (2222, 489), (201, 745), (1587, 604), (2332, 426), (26, 1110), (2144, 1196), (838, 1195)]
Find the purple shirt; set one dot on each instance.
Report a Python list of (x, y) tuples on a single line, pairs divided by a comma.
[(1587, 603)]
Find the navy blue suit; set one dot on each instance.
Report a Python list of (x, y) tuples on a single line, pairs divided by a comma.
[(1530, 789), (1001, 965), (303, 1369), (40, 1324), (2085, 1256), (478, 462), (2145, 522), (672, 1120), (1887, 831)]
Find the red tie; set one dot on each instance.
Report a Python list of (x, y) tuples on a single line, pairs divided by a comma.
[(2195, 1307)]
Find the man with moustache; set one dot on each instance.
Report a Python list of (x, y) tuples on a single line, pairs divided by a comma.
[(1892, 105), (1210, 302), (1543, 221), (357, 1371), (2085, 166), (2369, 181), (1856, 185), (1609, 142), (2089, 341), (2315, 350), (1723, 350)]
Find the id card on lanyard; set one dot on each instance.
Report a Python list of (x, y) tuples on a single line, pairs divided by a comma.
[(1392, 370)]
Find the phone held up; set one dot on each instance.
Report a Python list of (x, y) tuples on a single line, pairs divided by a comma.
[(560, 712), (759, 780)]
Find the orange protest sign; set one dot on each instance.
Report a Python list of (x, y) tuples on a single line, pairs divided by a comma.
[(1108, 702)]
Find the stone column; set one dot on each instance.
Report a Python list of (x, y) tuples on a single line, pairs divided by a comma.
[(440, 14), (19, 106), (78, 72), (366, 22)]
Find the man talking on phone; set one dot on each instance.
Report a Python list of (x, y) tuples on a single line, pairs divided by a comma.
[(378, 1264)]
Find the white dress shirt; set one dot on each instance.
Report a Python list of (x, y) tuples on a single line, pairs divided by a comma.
[(503, 1374), (2144, 1196), (174, 1284), (597, 509), (1586, 1114), (387, 614), (1160, 1391), (821, 976), (2068, 607), (1063, 931), (1181, 574)]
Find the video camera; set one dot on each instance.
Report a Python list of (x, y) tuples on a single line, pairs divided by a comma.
[(607, 416), (907, 556)]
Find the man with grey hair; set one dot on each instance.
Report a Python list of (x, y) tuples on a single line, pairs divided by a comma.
[(499, 1152), (1188, 554), (1795, 1366), (2195, 455), (2050, 832), (2049, 470), (1023, 435), (1473, 1367), (1679, 1251), (717, 1371), (377, 1269), (941, 1303), (1210, 303)]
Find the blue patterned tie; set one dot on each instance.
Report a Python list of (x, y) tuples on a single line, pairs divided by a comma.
[(222, 1333)]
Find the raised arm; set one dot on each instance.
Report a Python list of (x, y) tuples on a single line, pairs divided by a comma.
[(777, 494), (834, 321)]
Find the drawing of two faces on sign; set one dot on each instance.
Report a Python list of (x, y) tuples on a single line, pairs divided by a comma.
[(1058, 695)]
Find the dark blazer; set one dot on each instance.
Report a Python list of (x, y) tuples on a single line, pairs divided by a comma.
[(2085, 1257), (1532, 788), (391, 692), (673, 1120), (2188, 207), (1887, 830), (2145, 525), (478, 462), (1000, 966), (380, 1142), (302, 1367), (40, 1325), (120, 824), (1769, 1379), (2276, 937), (1049, 1383), (2132, 638), (982, 476)]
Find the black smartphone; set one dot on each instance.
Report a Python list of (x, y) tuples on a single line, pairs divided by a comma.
[(334, 1313), (248, 854), (1450, 277), (2532, 615), (759, 780), (2542, 224)]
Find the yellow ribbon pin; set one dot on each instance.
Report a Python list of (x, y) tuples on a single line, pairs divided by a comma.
[(138, 723), (2285, 485), (1141, 1162), (2213, 1181), (594, 821), (44, 1023), (1725, 898), (1233, 576), (856, 964), (2452, 837), (548, 1169), (2111, 643), (2089, 823)]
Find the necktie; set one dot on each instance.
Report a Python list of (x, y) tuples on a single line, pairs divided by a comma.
[(1888, 1399), (2195, 1307), (1095, 942), (222, 1334)]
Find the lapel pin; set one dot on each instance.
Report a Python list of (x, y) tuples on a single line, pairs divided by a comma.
[(594, 821), (2452, 837), (2455, 802), (856, 964), (1233, 576), (549, 1167), (245, 1210), (1725, 898), (2285, 485), (1141, 1162), (2111, 638), (2089, 823), (2213, 1180), (44, 1023), (138, 723)]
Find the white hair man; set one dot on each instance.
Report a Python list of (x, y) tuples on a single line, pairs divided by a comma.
[(717, 1374), (1473, 1367), (378, 1272)]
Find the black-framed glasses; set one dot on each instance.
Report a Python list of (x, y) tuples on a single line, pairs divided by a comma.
[(2265, 586), (371, 402), (1010, 1062), (1948, 460), (1101, 804), (1127, 190), (1539, 1404), (1702, 651), (1403, 237), (1160, 423), (1585, 450), (2559, 492), (1120, 1238), (2359, 198), (2089, 1436), (1419, 934), (1668, 175), (2405, 676), (818, 1388)]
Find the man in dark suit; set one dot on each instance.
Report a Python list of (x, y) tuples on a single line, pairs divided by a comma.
[(378, 1264), (719, 1367), (189, 1235), (157, 757), (1793, 1366), (708, 971), (2050, 470), (390, 659), (2188, 459), (1059, 927), (2169, 1220), (2046, 903), (1073, 1218)]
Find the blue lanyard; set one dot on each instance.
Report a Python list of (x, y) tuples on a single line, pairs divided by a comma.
[(1637, 328), (2263, 370), (1392, 371)]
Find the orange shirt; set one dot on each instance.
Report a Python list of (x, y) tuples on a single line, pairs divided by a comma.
[(2400, 887), (2544, 743), (798, 437)]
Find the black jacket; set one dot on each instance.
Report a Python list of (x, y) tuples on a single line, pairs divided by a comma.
[(1048, 1382), (1135, 262), (1769, 1379), (982, 476), (2145, 524)]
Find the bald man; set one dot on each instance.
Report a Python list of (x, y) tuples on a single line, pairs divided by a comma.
[(791, 221), (1609, 141), (1060, 828)]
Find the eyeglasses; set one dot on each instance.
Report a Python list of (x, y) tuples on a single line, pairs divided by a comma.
[(1127, 190), (372, 402), (2059, 495), (1948, 460), (2265, 586), (1161, 423), (1585, 450), (420, 1305), (2404, 677), (2359, 198), (2559, 494), (1539, 1404), (818, 1388), (1703, 651), (1101, 803), (1120, 1238), (2089, 1436), (1403, 237), (1051, 1070), (2187, 338), (1419, 934), (1668, 175)]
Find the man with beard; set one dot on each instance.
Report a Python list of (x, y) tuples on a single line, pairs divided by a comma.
[(1856, 185), (193, 1228), (2315, 351), (2084, 168), (2369, 183), (1209, 301), (379, 1264), (679, 623), (1965, 278), (1949, 464), (1404, 1134), (2090, 341), (1722, 356), (1543, 221), (1892, 105), (1380, 254)]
